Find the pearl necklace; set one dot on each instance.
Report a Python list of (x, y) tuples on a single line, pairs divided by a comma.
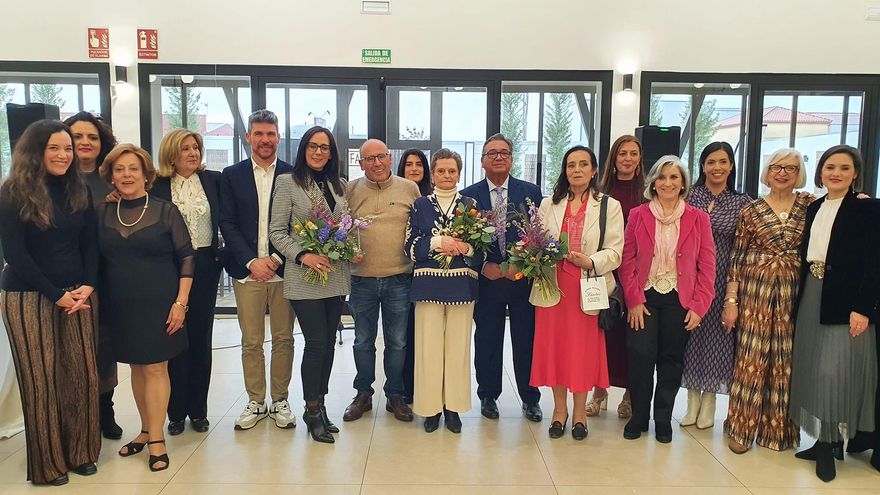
[(119, 217)]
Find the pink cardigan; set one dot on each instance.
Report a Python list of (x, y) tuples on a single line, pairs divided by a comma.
[(696, 258)]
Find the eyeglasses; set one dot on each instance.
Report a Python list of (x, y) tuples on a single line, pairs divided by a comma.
[(313, 147), (788, 169), (369, 160), (495, 154)]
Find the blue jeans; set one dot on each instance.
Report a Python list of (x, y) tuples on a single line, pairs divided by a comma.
[(368, 294)]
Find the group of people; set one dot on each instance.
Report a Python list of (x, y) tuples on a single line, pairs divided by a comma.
[(110, 259)]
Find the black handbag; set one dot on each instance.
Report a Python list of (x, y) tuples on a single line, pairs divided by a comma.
[(608, 318)]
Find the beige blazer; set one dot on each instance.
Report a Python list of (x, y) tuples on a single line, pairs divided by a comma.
[(604, 261)]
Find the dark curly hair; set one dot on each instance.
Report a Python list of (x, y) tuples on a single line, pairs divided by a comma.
[(105, 133)]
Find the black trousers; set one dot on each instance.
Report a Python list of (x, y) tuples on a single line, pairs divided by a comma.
[(190, 371), (498, 297), (660, 344), (319, 320), (409, 364)]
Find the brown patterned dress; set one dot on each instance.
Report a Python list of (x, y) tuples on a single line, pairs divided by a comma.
[(766, 264)]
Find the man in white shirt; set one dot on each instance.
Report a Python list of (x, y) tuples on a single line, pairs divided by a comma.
[(245, 198)]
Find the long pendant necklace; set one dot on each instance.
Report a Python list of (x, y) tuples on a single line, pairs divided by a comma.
[(119, 217)]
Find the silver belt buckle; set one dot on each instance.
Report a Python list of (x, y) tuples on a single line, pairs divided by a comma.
[(817, 268)]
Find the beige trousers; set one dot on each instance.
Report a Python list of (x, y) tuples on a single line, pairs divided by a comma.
[(443, 357), (252, 298)]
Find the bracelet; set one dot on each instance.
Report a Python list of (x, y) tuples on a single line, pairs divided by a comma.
[(182, 306), (731, 301)]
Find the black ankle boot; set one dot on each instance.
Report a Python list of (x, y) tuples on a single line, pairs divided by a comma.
[(453, 421), (810, 453), (864, 440), (432, 423), (315, 422), (825, 469), (107, 418), (327, 423)]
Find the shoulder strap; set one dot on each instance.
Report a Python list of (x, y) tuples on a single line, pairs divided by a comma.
[(603, 216)]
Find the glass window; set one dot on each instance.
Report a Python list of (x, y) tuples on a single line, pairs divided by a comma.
[(214, 106), (430, 118), (341, 108), (543, 120), (72, 93), (722, 115), (811, 122)]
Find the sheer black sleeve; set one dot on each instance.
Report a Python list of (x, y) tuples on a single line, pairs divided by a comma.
[(183, 250), (88, 245)]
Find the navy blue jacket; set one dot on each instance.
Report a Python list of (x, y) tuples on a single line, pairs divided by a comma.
[(239, 212), (518, 191)]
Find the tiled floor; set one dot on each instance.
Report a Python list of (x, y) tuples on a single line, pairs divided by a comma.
[(378, 455)]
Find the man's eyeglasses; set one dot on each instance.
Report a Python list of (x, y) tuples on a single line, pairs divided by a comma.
[(495, 154), (313, 147), (788, 169), (369, 160)]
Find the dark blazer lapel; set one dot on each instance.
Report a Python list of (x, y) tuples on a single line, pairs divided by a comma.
[(483, 199), (250, 185), (844, 215)]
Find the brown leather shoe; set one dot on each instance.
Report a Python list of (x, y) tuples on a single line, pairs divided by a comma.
[(398, 406), (360, 404)]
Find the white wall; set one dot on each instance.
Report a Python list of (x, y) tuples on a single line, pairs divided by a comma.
[(828, 36)]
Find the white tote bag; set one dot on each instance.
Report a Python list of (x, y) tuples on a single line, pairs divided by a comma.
[(594, 292)]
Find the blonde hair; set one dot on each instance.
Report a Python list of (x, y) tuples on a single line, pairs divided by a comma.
[(780, 155), (169, 150), (106, 169)]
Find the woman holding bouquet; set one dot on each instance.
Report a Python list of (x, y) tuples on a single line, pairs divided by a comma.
[(569, 350), (313, 188), (444, 297)]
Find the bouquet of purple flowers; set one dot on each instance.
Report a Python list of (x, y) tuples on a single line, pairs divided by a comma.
[(536, 253), (337, 240)]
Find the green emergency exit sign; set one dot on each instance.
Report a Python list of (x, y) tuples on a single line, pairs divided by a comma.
[(376, 56)]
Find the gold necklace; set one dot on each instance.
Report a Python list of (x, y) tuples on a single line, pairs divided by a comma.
[(119, 217)]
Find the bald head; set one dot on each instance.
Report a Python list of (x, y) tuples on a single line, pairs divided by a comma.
[(375, 160)]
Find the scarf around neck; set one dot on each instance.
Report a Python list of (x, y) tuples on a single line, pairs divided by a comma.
[(666, 232)]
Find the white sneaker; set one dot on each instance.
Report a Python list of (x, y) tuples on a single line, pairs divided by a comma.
[(252, 414), (280, 412)]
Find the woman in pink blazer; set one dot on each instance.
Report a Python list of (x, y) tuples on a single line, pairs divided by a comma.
[(668, 275)]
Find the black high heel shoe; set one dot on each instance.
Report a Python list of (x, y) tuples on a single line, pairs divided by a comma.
[(327, 423), (810, 453), (557, 428), (132, 448), (155, 459), (315, 423)]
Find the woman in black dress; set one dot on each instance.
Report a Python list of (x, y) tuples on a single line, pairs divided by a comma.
[(147, 274)]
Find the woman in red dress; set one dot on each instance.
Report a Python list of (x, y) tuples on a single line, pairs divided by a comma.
[(569, 353)]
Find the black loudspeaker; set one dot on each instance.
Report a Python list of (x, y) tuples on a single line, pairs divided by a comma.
[(658, 141), (21, 116)]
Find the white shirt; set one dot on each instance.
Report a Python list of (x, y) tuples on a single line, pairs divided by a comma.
[(263, 179), (189, 196), (820, 231)]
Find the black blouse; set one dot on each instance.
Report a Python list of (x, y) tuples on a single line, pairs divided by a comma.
[(52, 260)]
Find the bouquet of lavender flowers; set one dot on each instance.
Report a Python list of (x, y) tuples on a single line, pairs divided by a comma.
[(471, 226), (337, 240), (536, 253)]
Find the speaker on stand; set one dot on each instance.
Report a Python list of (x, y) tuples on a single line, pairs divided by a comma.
[(658, 141)]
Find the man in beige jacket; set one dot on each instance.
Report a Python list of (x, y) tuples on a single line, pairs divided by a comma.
[(382, 280)]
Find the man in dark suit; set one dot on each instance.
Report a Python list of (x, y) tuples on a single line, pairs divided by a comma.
[(500, 292), (249, 257)]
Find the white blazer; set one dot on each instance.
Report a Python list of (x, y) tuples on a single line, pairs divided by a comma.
[(604, 261)]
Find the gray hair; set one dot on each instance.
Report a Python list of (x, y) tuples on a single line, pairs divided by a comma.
[(444, 153), (263, 116), (781, 155), (657, 168), (498, 137)]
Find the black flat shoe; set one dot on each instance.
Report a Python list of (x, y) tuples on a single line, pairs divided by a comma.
[(633, 430), (175, 427), (453, 421), (533, 412), (864, 440), (200, 425), (132, 448), (488, 408), (663, 432), (317, 429), (86, 469), (579, 431), (557, 428), (810, 453), (432, 423), (156, 459), (61, 480)]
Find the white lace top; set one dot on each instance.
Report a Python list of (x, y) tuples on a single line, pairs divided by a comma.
[(190, 198)]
